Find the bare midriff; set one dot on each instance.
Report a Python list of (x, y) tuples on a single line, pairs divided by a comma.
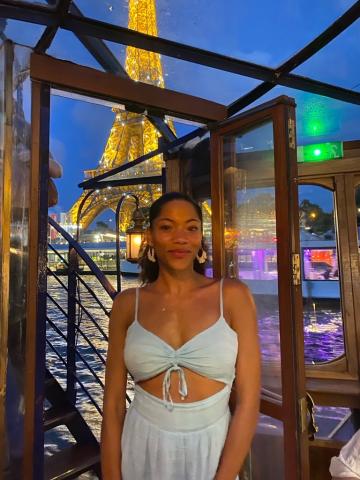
[(198, 387)]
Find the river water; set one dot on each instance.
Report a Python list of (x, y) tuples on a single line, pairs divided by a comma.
[(323, 341)]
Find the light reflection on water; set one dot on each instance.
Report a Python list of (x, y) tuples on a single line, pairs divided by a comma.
[(59, 437), (320, 345), (323, 334)]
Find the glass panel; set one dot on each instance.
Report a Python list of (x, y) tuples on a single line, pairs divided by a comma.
[(66, 46), (320, 119), (203, 24), (100, 138), (250, 234), (266, 459), (323, 319), (207, 232), (3, 321), (175, 74), (337, 52), (18, 190), (25, 33), (334, 423)]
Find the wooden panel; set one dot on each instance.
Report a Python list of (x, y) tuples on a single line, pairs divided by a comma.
[(321, 452), (346, 279), (290, 296), (293, 384), (271, 409), (350, 186), (173, 175), (217, 206), (36, 290), (334, 392), (88, 81)]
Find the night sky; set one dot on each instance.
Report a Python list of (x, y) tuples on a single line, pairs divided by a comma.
[(264, 32)]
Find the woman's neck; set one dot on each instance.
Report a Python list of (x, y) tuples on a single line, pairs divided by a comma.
[(177, 282)]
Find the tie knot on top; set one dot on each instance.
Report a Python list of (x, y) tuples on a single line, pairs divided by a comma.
[(183, 391)]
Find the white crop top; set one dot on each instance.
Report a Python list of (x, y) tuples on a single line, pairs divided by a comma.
[(211, 353)]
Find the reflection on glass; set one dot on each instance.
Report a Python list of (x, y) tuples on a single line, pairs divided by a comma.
[(250, 234), (323, 321), (266, 459), (18, 190), (329, 420), (207, 233)]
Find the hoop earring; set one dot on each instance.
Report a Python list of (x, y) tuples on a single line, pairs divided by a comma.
[(201, 257), (151, 254)]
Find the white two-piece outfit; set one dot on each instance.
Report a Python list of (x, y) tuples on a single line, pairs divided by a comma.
[(164, 440)]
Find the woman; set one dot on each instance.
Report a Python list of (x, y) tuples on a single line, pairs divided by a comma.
[(186, 340)]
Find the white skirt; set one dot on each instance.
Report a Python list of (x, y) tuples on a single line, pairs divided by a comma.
[(182, 444)]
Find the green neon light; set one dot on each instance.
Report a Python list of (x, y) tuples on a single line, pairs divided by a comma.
[(320, 152)]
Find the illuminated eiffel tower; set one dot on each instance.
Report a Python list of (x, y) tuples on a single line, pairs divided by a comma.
[(132, 135)]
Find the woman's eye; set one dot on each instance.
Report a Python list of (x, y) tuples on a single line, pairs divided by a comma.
[(165, 227), (193, 228)]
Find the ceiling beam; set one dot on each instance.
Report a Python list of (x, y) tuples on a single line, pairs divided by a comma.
[(166, 147), (104, 56), (97, 48), (48, 35), (137, 96), (325, 37), (90, 27)]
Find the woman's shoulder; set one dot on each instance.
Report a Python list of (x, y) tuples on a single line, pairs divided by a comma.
[(237, 293), (124, 304), (235, 286)]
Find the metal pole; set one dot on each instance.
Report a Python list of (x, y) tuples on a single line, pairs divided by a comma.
[(71, 331), (117, 239), (117, 233), (79, 212)]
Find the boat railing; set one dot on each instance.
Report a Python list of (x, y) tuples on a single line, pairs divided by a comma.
[(77, 328)]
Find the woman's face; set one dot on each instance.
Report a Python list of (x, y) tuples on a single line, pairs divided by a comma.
[(176, 235)]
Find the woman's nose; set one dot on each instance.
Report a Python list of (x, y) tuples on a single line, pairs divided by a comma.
[(180, 236)]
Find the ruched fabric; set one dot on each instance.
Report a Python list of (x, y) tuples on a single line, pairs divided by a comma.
[(211, 353), (182, 444)]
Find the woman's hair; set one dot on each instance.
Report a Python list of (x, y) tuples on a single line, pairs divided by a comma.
[(150, 270)]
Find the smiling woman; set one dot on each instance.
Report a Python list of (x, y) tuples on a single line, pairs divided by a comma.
[(162, 226), (184, 324)]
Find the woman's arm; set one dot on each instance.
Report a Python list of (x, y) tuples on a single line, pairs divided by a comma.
[(240, 308), (115, 387)]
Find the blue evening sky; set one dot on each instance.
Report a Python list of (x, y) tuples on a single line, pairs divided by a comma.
[(264, 32)]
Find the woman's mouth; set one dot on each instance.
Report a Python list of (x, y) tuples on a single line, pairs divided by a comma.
[(179, 253)]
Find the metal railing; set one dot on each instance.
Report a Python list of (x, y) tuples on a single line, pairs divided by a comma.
[(77, 324)]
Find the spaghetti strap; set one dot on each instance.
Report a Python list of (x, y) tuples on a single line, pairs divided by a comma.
[(136, 304), (221, 298)]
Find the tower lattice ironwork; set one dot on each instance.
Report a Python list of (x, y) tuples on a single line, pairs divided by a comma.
[(132, 135)]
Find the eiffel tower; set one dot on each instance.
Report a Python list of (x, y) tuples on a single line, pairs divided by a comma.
[(132, 135)]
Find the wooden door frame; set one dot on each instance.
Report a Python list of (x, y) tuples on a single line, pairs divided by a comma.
[(37, 280), (281, 112), (336, 383)]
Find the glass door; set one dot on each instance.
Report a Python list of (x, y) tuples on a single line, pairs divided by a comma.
[(255, 239)]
